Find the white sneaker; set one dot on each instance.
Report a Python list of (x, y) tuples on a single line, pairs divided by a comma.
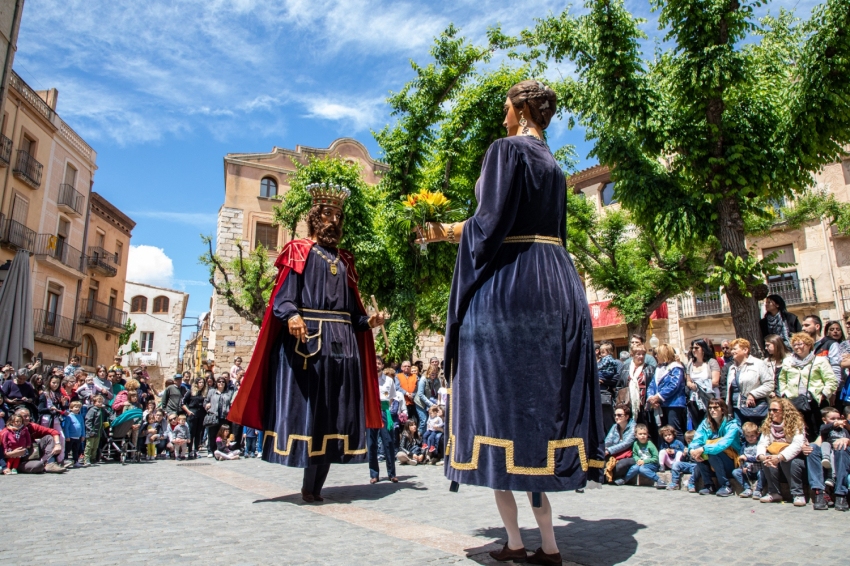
[(209, 455), (771, 498), (402, 458), (799, 501)]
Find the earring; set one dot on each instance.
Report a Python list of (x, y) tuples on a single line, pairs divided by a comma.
[(524, 124)]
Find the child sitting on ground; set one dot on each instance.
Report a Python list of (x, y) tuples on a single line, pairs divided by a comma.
[(151, 435), (15, 436), (749, 469), (834, 427), (671, 448), (74, 429), (181, 438), (434, 434), (685, 466), (410, 450), (646, 458), (225, 446)]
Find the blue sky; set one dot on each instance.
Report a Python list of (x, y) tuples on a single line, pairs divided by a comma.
[(163, 90)]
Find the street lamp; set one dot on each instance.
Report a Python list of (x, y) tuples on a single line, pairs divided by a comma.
[(654, 342)]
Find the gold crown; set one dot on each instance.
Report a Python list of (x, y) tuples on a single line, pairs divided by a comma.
[(328, 194)]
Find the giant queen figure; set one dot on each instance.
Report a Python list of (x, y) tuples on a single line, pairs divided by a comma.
[(524, 406), (312, 383)]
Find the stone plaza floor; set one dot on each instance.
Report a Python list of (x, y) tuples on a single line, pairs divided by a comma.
[(250, 512)]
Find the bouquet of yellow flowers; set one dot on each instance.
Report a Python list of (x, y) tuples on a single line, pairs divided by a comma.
[(425, 206)]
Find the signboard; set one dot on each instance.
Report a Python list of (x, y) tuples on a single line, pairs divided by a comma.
[(602, 314), (231, 343)]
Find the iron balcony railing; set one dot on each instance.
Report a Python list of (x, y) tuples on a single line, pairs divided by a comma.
[(703, 304), (48, 324), (5, 151), (102, 260), (795, 292), (48, 245), (95, 311), (68, 196), (28, 169), (17, 235)]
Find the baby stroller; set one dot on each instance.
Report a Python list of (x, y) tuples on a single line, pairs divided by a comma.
[(119, 442)]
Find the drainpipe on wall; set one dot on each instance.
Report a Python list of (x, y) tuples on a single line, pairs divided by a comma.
[(835, 297)]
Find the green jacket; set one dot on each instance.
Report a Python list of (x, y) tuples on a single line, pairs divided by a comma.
[(819, 374), (648, 447)]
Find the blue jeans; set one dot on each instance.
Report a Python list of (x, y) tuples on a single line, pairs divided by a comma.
[(718, 465), (250, 445), (680, 468), (753, 473), (647, 471), (372, 436), (814, 469), (432, 438), (423, 419)]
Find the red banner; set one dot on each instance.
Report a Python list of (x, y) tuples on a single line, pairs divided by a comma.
[(602, 314)]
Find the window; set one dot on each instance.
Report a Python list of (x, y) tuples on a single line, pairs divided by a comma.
[(608, 194), (266, 235), (139, 304), (160, 304), (28, 144), (100, 238), (62, 233), (20, 209), (268, 187), (146, 342), (87, 351), (784, 254), (119, 252), (70, 175)]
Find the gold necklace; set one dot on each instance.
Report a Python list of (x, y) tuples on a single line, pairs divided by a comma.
[(332, 264)]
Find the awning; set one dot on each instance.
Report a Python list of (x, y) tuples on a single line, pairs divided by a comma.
[(602, 314), (16, 330)]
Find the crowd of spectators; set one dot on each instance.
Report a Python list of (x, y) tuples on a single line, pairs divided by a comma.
[(731, 421)]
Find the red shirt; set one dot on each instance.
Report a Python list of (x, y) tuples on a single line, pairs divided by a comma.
[(37, 431)]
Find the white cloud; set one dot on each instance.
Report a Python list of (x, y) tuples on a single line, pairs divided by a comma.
[(359, 115), (149, 264)]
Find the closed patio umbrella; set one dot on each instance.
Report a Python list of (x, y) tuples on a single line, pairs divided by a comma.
[(16, 334)]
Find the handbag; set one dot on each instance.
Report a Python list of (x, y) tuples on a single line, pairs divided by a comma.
[(803, 403), (624, 396), (607, 398), (211, 419), (760, 410), (775, 448)]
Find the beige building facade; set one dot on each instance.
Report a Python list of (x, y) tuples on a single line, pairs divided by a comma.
[(252, 183), (102, 311), (816, 281)]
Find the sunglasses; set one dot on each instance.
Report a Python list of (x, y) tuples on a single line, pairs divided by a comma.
[(774, 410), (619, 414)]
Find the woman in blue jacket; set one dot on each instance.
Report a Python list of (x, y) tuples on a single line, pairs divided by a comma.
[(618, 443), (717, 439), (666, 401)]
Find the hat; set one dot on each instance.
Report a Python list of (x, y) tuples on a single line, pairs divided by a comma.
[(328, 194)]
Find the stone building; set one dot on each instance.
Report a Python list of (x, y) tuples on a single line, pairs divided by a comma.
[(158, 314), (103, 309), (817, 281), (252, 181)]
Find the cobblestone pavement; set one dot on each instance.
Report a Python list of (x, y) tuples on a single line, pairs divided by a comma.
[(250, 512)]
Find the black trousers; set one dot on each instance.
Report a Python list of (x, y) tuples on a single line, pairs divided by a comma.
[(676, 417), (212, 432), (792, 471), (196, 432), (314, 478)]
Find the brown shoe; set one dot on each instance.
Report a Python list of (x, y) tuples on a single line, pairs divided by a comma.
[(540, 557), (394, 480), (318, 497), (53, 468), (373, 480), (509, 555), (307, 496)]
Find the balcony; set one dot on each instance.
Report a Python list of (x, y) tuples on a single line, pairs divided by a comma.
[(70, 200), (101, 315), (54, 329), (795, 292), (16, 235), (102, 261), (57, 252), (27, 169), (5, 151), (712, 303)]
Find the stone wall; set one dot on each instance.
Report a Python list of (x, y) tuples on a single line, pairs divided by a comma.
[(430, 346), (234, 336)]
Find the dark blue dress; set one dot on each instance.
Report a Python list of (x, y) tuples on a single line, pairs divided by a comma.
[(314, 415), (524, 409)]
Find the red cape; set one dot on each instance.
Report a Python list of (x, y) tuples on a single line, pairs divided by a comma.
[(248, 407)]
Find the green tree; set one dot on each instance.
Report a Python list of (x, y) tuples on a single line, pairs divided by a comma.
[(735, 113), (639, 270), (124, 338)]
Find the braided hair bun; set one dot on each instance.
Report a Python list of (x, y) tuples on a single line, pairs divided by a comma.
[(536, 98)]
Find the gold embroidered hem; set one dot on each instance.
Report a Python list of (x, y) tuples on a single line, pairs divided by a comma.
[(309, 440), (533, 239)]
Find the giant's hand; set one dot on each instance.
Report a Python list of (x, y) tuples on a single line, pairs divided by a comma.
[(432, 232), (297, 328), (378, 319)]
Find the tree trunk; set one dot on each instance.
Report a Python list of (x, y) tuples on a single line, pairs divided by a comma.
[(639, 327), (744, 309)]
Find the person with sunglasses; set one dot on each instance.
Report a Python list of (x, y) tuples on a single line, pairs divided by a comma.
[(780, 450), (618, 444), (715, 448)]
